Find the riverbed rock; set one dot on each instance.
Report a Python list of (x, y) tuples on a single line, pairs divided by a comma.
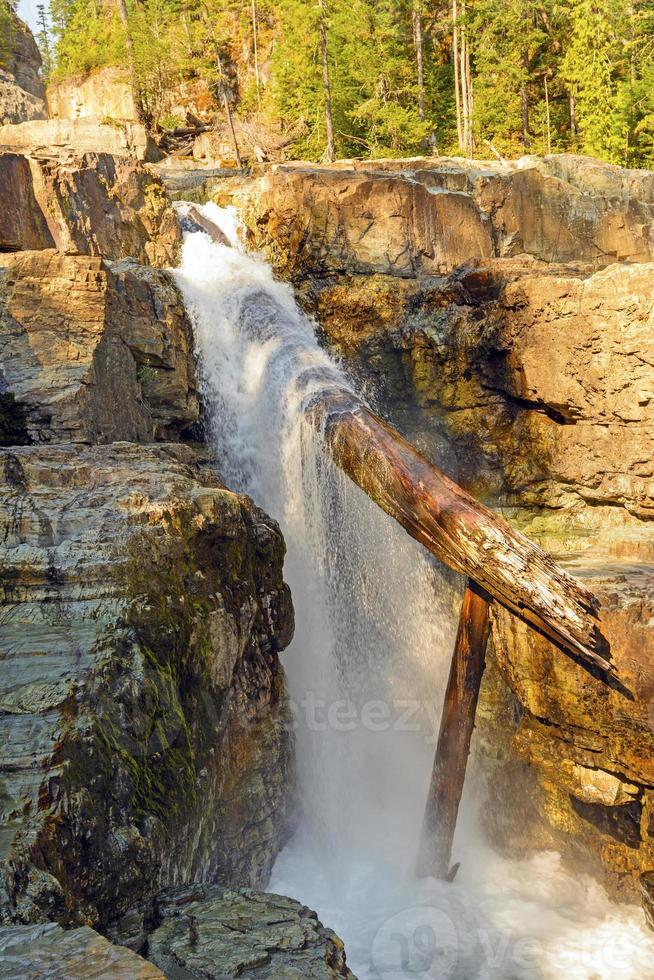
[(418, 217), (90, 203), (146, 731), (93, 351), (22, 92), (216, 933), (47, 952)]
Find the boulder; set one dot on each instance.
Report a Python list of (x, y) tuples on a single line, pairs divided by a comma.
[(146, 732), (47, 952), (117, 137), (95, 352), (216, 933), (93, 204)]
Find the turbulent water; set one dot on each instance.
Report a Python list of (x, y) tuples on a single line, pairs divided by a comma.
[(366, 669)]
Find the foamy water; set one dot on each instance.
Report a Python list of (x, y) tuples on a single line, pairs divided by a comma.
[(375, 622)]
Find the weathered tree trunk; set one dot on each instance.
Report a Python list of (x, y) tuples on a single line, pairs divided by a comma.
[(548, 116), (329, 119), (417, 40), (255, 37), (460, 531), (457, 725), (129, 44), (524, 103), (573, 114), (457, 72)]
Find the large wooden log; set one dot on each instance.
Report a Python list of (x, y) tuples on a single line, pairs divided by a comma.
[(457, 725), (459, 530)]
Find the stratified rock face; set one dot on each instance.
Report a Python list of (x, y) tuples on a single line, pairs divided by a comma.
[(119, 137), (417, 217), (93, 204), (578, 755), (104, 94), (21, 90), (215, 933), (93, 352), (47, 952), (540, 376), (142, 708)]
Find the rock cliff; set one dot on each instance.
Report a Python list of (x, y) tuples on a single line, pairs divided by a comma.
[(504, 313), (89, 203), (22, 92)]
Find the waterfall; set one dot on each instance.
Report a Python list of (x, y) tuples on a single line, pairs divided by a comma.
[(375, 624)]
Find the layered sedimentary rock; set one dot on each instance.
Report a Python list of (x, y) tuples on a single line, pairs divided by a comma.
[(118, 137), (103, 95), (511, 340), (22, 92), (94, 352), (216, 933), (91, 203), (142, 708), (409, 218)]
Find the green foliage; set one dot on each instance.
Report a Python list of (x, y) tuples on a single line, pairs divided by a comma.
[(6, 32), (573, 75)]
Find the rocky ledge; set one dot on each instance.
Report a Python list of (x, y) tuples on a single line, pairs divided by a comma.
[(142, 704)]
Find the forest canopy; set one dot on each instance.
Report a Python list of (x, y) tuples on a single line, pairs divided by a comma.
[(403, 77)]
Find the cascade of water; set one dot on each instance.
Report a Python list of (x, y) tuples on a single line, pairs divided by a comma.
[(366, 669)]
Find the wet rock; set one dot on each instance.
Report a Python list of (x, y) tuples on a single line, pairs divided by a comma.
[(216, 933), (93, 204), (47, 952), (143, 712), (95, 352)]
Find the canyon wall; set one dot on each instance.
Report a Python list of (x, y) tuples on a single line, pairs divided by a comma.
[(146, 728), (504, 315)]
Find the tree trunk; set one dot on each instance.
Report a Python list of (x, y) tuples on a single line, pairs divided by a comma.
[(136, 92), (459, 530), (222, 79), (573, 114), (417, 40), (548, 117), (329, 120), (457, 725), (255, 36), (524, 102), (457, 72)]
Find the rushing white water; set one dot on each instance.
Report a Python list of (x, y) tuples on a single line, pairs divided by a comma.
[(374, 635)]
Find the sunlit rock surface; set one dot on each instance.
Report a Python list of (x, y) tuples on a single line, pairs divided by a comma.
[(94, 352), (216, 933), (418, 217), (144, 722), (47, 952), (90, 203)]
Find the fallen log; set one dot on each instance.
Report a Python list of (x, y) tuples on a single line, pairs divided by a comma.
[(453, 526), (456, 728), (459, 530)]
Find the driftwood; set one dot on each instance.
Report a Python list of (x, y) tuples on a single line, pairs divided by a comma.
[(196, 221), (459, 530), (457, 725)]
